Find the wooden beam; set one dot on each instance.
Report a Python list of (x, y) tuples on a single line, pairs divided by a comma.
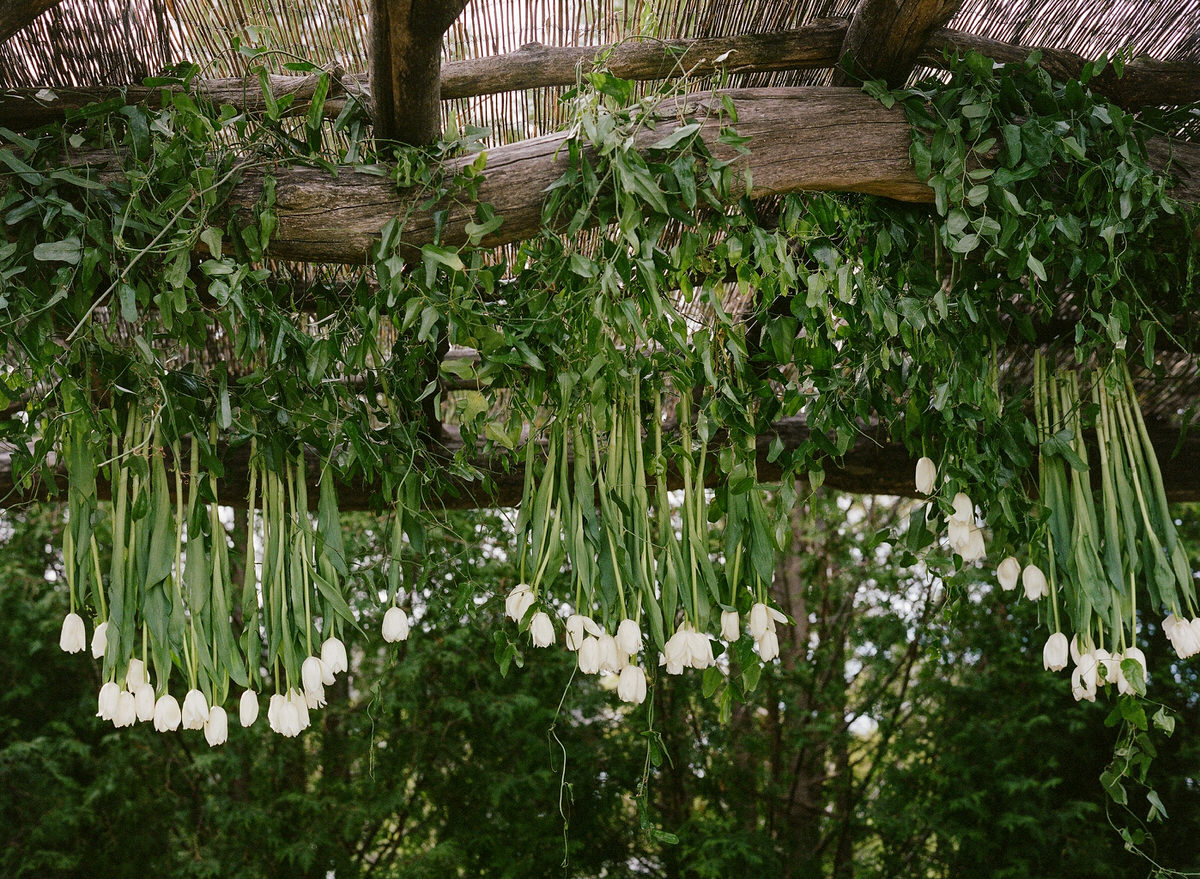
[(1145, 82), (18, 14), (885, 38), (874, 465), (406, 65)]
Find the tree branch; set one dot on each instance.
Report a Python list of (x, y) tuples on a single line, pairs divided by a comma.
[(17, 14), (885, 38)]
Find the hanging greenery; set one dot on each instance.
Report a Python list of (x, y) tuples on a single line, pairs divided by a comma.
[(659, 325)]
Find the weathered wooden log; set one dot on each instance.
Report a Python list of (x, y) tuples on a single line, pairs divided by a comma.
[(874, 465), (1145, 82), (885, 38)]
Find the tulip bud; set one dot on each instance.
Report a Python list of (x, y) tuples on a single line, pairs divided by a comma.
[(143, 700), (589, 655), (312, 674), (166, 713), (731, 625), (135, 676), (248, 708), (195, 710), (126, 712), (216, 728), (333, 658), (1034, 582), (768, 646), (760, 621), (611, 658), (395, 625), (274, 711), (631, 686), (573, 634), (973, 550), (926, 475), (541, 629), (106, 704), (1008, 573), (518, 602), (73, 638), (1054, 654), (100, 640), (629, 637)]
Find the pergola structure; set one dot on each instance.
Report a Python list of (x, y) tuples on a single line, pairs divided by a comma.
[(792, 71)]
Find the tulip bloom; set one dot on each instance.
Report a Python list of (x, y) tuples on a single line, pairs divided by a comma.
[(143, 700), (135, 675), (1034, 582), (100, 640), (73, 638), (312, 674), (395, 625), (926, 476), (126, 712), (1054, 654), (333, 658), (768, 646), (518, 602), (167, 715), (106, 703), (573, 635), (731, 625), (964, 509), (1008, 572), (631, 687), (248, 708), (760, 620), (589, 655), (629, 637), (541, 630), (195, 710), (216, 728)]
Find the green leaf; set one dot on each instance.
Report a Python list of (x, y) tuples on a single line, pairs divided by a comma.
[(68, 250)]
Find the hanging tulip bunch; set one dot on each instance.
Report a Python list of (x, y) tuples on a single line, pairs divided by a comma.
[(1105, 550), (168, 602), (641, 589)]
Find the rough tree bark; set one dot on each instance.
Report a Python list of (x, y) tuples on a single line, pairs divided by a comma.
[(885, 38), (406, 66)]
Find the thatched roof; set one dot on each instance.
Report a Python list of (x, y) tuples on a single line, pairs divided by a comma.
[(90, 43)]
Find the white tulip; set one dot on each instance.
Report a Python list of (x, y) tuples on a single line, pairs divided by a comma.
[(73, 638), (106, 703), (611, 658), (760, 621), (1075, 651), (333, 659), (589, 655), (1034, 582), (100, 640), (676, 652), (395, 625), (973, 550), (1008, 573), (959, 534), (296, 698), (143, 700), (289, 718), (1123, 684), (1083, 687), (135, 676), (700, 650), (167, 715), (731, 625), (541, 629), (126, 712), (926, 475), (195, 710), (768, 646), (574, 631), (1054, 654), (248, 708), (216, 728), (629, 637), (274, 710), (964, 509), (631, 686), (312, 674), (518, 602)]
